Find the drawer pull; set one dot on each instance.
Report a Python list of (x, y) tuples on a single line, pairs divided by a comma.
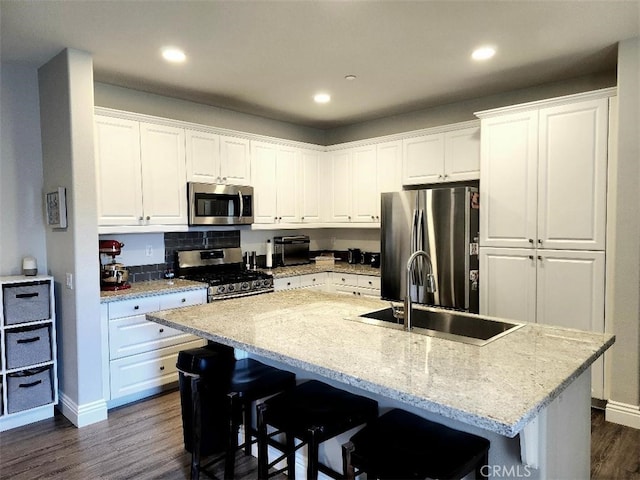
[(162, 368), (370, 282), (27, 295), (162, 330), (137, 307), (28, 340), (343, 280), (184, 300), (29, 385)]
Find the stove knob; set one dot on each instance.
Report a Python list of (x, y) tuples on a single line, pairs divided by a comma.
[(245, 286), (221, 289), (232, 288)]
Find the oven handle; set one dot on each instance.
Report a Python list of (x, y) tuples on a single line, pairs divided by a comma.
[(241, 206)]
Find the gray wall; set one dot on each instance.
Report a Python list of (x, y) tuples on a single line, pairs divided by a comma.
[(151, 104), (625, 355), (464, 111), (21, 201), (66, 110)]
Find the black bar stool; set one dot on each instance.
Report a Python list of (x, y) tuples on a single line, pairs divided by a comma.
[(402, 445), (313, 412), (222, 391)]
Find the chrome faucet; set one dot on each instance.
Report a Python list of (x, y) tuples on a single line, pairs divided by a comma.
[(430, 284)]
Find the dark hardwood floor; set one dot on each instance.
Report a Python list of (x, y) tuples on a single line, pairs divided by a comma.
[(144, 441)]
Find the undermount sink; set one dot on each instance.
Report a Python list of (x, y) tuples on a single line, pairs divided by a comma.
[(462, 327)]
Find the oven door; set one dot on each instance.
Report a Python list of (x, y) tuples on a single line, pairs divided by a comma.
[(216, 204)]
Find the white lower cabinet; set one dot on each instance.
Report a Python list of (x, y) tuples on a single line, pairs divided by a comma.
[(555, 287), (142, 355), (359, 285), (316, 281)]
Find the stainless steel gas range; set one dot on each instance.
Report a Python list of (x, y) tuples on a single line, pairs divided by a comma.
[(223, 270)]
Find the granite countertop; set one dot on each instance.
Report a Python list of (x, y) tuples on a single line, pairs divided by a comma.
[(150, 288), (500, 386), (339, 266)]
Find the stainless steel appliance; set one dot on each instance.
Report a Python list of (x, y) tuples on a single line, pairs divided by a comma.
[(223, 270), (218, 204), (444, 223), (291, 250)]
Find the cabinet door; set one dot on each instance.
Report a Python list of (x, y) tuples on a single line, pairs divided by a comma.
[(287, 185), (235, 161), (571, 290), (203, 156), (572, 169), (508, 178), (389, 161), (309, 191), (341, 184), (462, 155), (164, 179), (365, 196), (423, 159), (118, 171), (508, 283), (263, 160)]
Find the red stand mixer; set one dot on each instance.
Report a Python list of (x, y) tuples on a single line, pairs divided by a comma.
[(113, 275)]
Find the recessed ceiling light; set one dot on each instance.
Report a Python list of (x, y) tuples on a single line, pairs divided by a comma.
[(350, 77), (173, 54), (322, 98), (483, 53)]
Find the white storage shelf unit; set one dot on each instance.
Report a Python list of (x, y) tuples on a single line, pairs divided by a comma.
[(28, 383)]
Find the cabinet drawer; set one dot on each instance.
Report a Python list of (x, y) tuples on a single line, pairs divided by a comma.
[(28, 346), (136, 306), (133, 335), (345, 279), (368, 281), (312, 280), (147, 370), (183, 299), (26, 302), (286, 283)]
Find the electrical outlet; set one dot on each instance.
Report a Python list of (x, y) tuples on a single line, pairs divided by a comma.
[(69, 280), (149, 251)]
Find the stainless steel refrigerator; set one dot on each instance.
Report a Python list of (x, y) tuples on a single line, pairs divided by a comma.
[(443, 222)]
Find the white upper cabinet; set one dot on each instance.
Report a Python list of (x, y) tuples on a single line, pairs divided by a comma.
[(164, 180), (141, 174), (118, 171), (235, 160), (508, 180), (311, 186), (442, 157), (275, 186), (543, 177), (365, 197), (572, 175), (212, 158), (341, 186), (389, 166)]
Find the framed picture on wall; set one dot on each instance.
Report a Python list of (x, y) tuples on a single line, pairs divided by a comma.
[(56, 203)]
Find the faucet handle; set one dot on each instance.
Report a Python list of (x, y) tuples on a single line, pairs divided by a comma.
[(397, 311)]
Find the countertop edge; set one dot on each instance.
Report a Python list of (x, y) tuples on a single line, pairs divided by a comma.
[(155, 290)]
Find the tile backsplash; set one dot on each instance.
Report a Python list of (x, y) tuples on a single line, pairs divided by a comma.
[(192, 240)]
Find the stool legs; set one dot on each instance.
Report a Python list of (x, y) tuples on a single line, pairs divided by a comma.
[(347, 468), (232, 445), (263, 460), (313, 447)]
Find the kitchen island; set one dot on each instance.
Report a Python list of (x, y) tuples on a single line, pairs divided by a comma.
[(533, 383)]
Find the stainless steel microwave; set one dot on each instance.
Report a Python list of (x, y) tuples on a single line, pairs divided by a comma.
[(219, 204)]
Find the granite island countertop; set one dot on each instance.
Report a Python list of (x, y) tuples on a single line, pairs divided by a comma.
[(500, 386)]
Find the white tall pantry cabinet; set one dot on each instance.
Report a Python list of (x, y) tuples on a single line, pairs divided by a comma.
[(543, 187)]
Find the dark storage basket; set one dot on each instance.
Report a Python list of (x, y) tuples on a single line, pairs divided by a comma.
[(29, 389), (26, 302), (28, 346)]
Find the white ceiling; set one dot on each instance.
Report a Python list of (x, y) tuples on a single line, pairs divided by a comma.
[(269, 57)]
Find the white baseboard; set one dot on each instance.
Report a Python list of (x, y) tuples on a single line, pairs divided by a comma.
[(623, 414), (82, 415)]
